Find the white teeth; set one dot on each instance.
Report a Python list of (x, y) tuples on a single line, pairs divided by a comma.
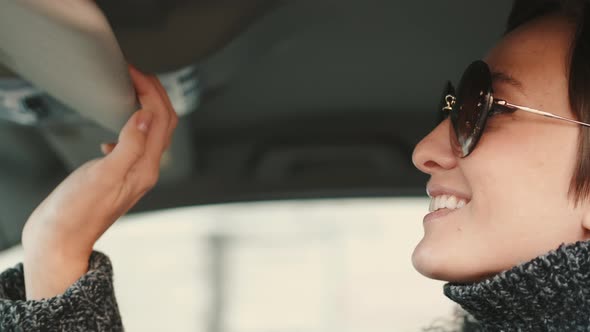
[(440, 201), (451, 202), (446, 201)]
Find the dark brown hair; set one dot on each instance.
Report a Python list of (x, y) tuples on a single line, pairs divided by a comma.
[(578, 11)]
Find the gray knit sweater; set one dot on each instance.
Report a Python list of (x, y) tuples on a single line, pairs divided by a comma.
[(548, 293), (87, 305)]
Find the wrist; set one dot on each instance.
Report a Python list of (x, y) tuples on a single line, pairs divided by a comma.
[(50, 273), (38, 241)]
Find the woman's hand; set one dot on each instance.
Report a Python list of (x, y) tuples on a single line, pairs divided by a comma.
[(59, 236)]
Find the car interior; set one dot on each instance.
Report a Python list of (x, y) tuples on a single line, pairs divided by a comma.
[(277, 99), (288, 200)]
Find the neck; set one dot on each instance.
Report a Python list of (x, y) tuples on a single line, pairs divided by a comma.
[(548, 293)]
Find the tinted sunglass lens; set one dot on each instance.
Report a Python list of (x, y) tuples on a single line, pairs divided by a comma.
[(474, 97)]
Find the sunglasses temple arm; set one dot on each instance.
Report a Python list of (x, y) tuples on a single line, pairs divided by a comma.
[(532, 110)]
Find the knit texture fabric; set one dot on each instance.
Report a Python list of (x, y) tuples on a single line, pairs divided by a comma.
[(548, 293), (88, 305)]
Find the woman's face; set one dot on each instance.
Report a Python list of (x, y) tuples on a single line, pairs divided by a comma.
[(517, 178)]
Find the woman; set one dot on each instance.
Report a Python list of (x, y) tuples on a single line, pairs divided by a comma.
[(512, 193), (523, 180)]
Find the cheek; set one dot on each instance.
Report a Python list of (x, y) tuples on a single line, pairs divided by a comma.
[(524, 160), (520, 177)]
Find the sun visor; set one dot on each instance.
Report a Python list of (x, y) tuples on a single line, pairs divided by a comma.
[(68, 49)]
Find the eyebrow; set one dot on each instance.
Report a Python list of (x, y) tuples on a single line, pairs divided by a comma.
[(499, 76)]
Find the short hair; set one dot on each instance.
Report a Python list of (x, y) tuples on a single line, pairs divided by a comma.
[(578, 11)]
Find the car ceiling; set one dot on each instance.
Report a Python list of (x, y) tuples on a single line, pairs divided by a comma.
[(298, 99)]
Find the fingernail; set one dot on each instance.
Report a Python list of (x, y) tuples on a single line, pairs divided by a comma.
[(145, 118)]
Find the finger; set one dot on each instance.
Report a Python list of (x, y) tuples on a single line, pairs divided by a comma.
[(173, 123), (169, 141), (163, 93), (142, 83), (107, 148), (166, 98), (158, 136), (152, 96), (171, 128), (132, 144)]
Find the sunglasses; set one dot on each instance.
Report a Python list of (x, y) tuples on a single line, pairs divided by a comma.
[(473, 103)]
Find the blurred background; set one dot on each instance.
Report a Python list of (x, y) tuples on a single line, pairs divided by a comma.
[(307, 265), (288, 200)]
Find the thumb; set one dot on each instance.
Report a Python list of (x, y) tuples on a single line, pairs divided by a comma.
[(132, 143)]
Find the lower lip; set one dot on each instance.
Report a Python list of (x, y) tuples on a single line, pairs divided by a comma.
[(437, 214)]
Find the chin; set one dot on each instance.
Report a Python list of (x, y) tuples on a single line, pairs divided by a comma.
[(441, 265), (428, 263)]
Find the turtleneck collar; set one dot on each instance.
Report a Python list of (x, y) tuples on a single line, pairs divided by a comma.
[(548, 293)]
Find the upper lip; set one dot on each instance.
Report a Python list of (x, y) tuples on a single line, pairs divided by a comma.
[(434, 190)]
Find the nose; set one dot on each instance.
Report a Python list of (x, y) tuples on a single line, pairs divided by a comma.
[(434, 152)]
